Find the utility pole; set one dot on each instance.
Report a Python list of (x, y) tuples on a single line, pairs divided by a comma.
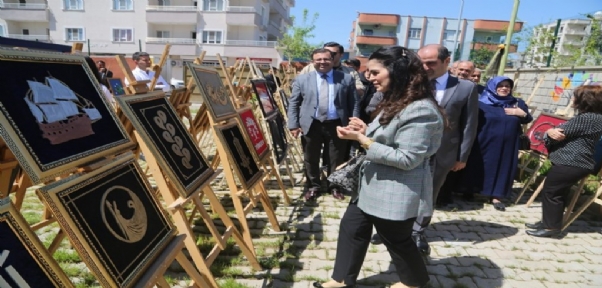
[(508, 38), (457, 32), (553, 42)]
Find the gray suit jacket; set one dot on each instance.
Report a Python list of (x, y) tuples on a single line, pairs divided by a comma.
[(304, 100), (395, 179), (461, 104)]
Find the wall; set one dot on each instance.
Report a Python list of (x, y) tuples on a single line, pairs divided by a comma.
[(557, 87)]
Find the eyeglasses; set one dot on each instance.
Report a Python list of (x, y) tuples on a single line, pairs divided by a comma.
[(323, 60)]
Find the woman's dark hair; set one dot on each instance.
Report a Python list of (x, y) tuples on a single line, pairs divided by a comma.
[(588, 98), (408, 81)]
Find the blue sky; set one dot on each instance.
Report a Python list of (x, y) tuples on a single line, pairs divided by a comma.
[(336, 16)]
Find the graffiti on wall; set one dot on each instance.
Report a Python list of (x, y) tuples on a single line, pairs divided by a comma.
[(565, 84)]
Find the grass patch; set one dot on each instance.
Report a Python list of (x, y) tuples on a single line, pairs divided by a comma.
[(231, 283), (66, 256)]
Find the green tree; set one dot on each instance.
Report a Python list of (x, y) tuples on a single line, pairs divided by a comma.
[(294, 44), (481, 57)]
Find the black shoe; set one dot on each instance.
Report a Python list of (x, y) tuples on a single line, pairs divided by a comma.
[(311, 195), (544, 233), (536, 226), (499, 206), (376, 240), (468, 197), (319, 285), (422, 244)]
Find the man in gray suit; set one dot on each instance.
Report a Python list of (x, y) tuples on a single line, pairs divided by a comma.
[(322, 100), (459, 98)]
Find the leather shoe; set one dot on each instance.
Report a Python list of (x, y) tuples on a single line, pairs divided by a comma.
[(537, 225), (319, 285), (499, 206), (544, 233), (311, 195), (336, 193), (422, 244), (376, 240)]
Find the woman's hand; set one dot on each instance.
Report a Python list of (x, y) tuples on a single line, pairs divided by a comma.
[(556, 134), (515, 112), (357, 124), (348, 133)]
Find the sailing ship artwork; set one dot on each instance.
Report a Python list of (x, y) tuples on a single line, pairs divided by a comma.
[(62, 115)]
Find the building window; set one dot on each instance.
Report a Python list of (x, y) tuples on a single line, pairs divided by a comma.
[(73, 4), (368, 32), (213, 5), (415, 33), (162, 34), (74, 34), (123, 5), (212, 37), (488, 39), (123, 35), (449, 35), (164, 2)]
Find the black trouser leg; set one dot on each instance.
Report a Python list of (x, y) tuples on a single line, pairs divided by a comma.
[(312, 152), (352, 245), (397, 237), (555, 190)]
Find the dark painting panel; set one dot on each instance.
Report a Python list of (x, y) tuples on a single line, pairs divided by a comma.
[(284, 100), (116, 86), (264, 97), (279, 142), (164, 131), (118, 217), (213, 91), (243, 159), (53, 143), (538, 129)]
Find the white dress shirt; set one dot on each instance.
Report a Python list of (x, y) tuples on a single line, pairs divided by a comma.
[(140, 74), (440, 87), (332, 110)]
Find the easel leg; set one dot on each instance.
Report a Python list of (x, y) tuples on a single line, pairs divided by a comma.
[(267, 206)]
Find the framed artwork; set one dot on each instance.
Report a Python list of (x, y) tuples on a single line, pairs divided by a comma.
[(24, 261), (264, 97), (538, 130), (236, 147), (247, 119), (53, 113), (116, 86), (113, 220), (213, 91), (168, 139), (284, 100), (279, 143)]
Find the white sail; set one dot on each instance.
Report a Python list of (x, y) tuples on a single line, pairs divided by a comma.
[(53, 112), (41, 93), (69, 108), (60, 90), (35, 111), (93, 113)]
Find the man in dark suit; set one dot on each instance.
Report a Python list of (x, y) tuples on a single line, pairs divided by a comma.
[(459, 98), (322, 100)]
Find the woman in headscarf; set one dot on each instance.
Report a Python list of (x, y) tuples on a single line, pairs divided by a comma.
[(492, 163)]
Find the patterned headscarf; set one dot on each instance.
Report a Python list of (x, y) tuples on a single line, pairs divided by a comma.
[(490, 97)]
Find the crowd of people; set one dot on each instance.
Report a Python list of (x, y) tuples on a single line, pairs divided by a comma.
[(427, 129)]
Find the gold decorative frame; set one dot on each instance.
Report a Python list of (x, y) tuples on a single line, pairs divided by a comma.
[(154, 140), (15, 137), (224, 108), (39, 254), (91, 241)]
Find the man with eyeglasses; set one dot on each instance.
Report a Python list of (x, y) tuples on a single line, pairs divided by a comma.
[(322, 99)]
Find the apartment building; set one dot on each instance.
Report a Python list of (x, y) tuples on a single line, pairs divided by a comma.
[(233, 28), (371, 31)]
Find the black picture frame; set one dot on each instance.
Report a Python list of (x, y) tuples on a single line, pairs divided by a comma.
[(279, 142), (20, 250), (113, 220), (52, 135), (215, 95), (285, 101), (264, 98), (168, 139), (233, 140)]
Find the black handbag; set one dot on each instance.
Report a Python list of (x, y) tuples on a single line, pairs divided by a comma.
[(523, 142), (347, 175)]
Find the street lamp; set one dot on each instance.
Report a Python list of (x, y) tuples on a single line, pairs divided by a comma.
[(457, 32)]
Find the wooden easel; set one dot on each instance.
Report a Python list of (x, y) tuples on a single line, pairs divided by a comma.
[(533, 157)]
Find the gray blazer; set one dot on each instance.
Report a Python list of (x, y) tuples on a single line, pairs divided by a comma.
[(461, 104), (304, 100), (395, 179)]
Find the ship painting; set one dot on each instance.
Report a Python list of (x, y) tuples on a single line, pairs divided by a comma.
[(62, 115)]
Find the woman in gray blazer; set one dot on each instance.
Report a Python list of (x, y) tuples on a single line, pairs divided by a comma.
[(395, 179)]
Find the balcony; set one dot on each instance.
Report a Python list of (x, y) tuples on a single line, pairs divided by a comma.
[(376, 40), (494, 25), (575, 31), (278, 6), (252, 43), (179, 46), (378, 19), (492, 46), (243, 16), (171, 14), (274, 28), (40, 38), (24, 12)]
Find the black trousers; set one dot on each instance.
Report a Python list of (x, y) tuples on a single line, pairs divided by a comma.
[(354, 239), (555, 191), (322, 135)]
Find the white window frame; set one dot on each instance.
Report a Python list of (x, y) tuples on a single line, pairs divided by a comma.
[(162, 34), (113, 29), (79, 5), (411, 32), (221, 38), (115, 5), (214, 8), (3, 31), (82, 38)]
